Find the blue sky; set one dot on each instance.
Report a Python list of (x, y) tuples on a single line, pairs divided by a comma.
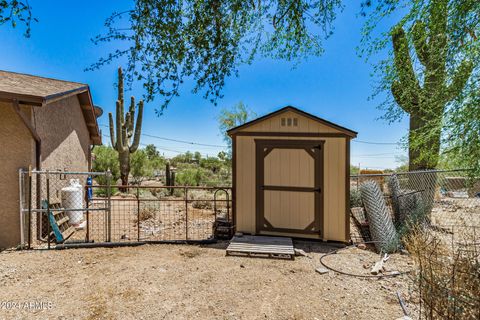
[(335, 86)]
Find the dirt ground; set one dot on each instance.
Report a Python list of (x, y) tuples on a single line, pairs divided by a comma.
[(195, 282)]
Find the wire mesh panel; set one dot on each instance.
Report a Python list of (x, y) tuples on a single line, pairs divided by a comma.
[(58, 206), (68, 207), (452, 198)]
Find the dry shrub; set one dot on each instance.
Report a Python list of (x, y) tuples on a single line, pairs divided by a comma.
[(146, 213), (447, 276), (202, 204), (201, 199)]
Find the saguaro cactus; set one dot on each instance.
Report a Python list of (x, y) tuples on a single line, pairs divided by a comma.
[(121, 134), (426, 104)]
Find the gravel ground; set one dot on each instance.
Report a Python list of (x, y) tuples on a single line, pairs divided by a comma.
[(195, 282)]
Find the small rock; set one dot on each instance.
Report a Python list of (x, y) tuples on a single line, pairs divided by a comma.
[(361, 246), (404, 252), (322, 270), (300, 252)]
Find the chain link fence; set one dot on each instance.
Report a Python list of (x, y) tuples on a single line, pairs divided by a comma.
[(451, 198), (442, 211)]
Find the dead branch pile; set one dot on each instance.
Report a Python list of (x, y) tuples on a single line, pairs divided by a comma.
[(447, 276)]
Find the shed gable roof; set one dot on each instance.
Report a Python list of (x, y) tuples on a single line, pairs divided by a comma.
[(39, 91), (327, 123)]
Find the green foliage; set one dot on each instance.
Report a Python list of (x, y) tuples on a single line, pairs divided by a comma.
[(426, 104), (355, 198), (211, 163), (14, 11), (104, 159), (233, 117), (166, 41), (186, 157), (122, 138), (209, 171), (462, 137), (190, 177), (140, 167), (445, 35), (152, 152), (354, 170), (155, 162)]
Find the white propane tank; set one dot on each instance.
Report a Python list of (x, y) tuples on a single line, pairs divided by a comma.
[(72, 198)]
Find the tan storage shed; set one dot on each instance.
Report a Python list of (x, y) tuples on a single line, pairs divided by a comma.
[(291, 176)]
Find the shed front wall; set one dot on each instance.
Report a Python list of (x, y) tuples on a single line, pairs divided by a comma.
[(17, 151), (304, 124), (334, 208)]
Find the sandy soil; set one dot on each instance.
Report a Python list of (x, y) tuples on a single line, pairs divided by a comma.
[(193, 282)]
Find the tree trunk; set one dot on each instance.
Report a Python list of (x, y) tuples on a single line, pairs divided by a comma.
[(423, 182), (431, 143), (124, 158)]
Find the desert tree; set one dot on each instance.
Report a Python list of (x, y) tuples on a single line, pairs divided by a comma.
[(425, 103), (166, 42), (14, 12), (431, 72), (232, 117)]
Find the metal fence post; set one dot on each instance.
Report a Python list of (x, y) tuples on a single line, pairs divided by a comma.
[(186, 213), (138, 213), (88, 214), (48, 210), (29, 209), (109, 218)]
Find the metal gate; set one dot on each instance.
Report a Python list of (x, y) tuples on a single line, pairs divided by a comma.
[(61, 209)]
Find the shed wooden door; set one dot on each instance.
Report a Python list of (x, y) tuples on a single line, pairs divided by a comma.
[(289, 186)]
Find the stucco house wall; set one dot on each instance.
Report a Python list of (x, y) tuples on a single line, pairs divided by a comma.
[(65, 137), (17, 151), (65, 146)]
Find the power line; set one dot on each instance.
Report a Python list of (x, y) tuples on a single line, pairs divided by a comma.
[(224, 146), (375, 154), (144, 145), (372, 142), (179, 141)]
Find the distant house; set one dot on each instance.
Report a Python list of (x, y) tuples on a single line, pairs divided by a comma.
[(45, 123)]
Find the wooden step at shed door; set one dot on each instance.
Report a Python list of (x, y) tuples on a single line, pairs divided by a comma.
[(289, 195)]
